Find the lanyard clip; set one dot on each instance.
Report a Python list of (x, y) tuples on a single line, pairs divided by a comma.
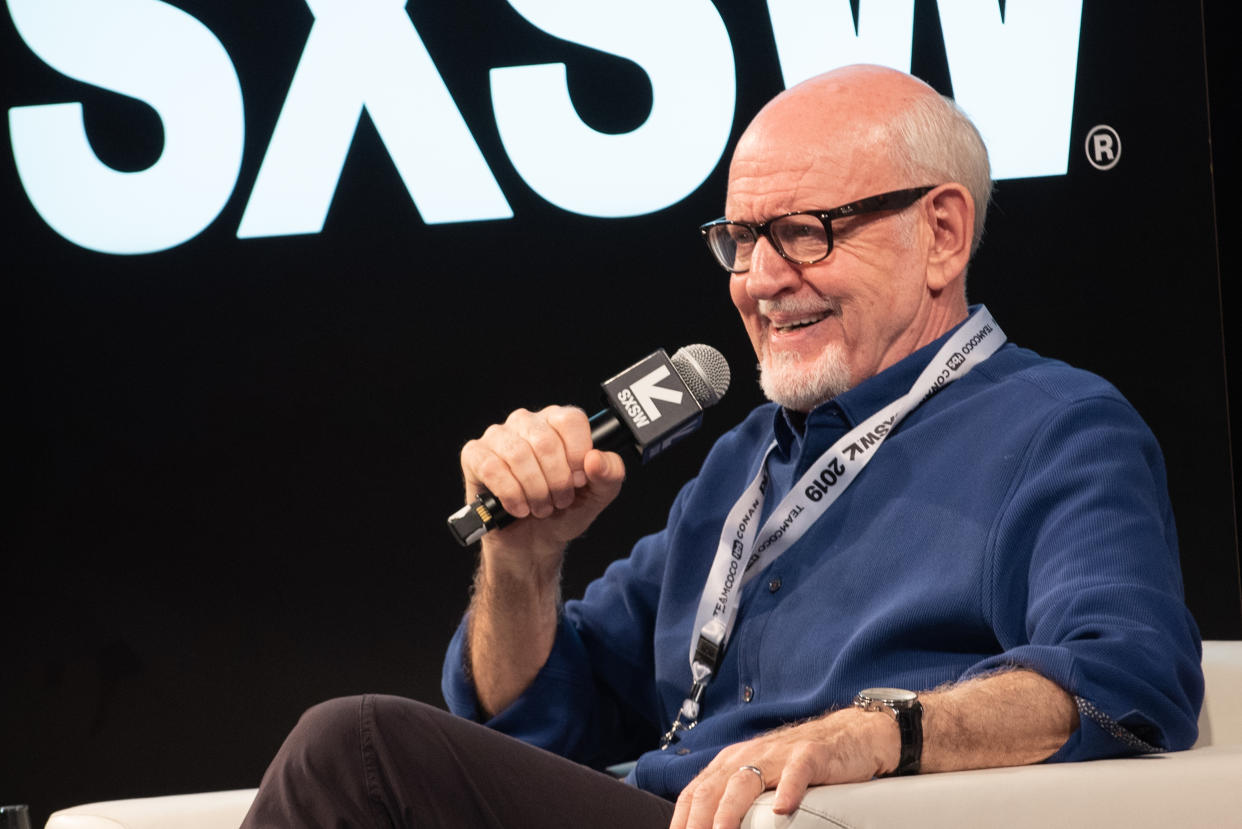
[(709, 649), (689, 711)]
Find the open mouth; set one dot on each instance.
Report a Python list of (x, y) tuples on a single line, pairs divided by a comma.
[(801, 322)]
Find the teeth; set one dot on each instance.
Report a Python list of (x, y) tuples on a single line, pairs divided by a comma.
[(802, 323)]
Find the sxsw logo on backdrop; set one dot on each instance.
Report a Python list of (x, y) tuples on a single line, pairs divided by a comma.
[(1015, 76)]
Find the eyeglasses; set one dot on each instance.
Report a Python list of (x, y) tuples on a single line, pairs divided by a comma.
[(802, 238)]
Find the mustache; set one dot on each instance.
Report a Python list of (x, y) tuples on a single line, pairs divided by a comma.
[(798, 305)]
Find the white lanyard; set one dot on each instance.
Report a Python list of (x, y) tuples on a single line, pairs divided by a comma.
[(745, 549)]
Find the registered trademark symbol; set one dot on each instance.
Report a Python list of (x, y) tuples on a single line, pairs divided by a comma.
[(1103, 147)]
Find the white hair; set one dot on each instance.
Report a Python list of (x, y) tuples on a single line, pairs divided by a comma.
[(935, 142)]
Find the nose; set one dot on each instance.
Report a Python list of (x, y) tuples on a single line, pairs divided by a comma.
[(770, 273)]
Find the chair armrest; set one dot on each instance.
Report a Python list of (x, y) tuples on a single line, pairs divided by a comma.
[(1188, 789), (208, 810)]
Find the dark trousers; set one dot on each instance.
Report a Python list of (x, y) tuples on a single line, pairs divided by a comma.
[(382, 761)]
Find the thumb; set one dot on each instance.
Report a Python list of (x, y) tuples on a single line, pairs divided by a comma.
[(605, 473)]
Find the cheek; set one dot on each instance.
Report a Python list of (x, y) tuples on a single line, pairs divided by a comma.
[(747, 308), (742, 300)]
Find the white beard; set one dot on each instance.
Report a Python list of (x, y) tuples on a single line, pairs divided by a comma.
[(802, 385)]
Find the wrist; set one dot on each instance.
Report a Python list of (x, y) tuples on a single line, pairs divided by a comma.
[(882, 738), (903, 710), (512, 574)]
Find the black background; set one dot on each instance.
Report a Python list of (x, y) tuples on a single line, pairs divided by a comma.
[(230, 463)]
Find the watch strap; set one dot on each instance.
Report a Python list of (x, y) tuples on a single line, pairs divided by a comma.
[(910, 725)]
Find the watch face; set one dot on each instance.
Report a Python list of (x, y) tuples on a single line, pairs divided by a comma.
[(895, 696)]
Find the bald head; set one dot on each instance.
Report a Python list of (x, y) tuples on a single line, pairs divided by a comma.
[(855, 101), (873, 122)]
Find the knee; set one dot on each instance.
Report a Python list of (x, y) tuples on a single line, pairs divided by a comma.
[(326, 733)]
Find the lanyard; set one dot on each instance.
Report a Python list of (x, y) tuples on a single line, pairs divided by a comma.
[(745, 549)]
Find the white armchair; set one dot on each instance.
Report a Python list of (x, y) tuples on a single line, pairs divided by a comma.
[(1197, 788)]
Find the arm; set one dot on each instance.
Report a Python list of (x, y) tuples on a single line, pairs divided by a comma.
[(1084, 598), (1003, 719), (543, 469)]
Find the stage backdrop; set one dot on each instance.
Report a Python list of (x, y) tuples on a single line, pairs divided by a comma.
[(268, 264)]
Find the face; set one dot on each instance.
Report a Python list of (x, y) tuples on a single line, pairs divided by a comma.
[(820, 329)]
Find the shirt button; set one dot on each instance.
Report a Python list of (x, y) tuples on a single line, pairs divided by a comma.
[(748, 694), (774, 584)]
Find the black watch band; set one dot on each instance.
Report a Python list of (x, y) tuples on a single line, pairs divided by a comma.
[(905, 708)]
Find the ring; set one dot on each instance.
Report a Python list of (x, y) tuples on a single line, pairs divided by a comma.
[(756, 770)]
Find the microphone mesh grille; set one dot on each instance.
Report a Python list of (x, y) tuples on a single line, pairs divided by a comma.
[(704, 371)]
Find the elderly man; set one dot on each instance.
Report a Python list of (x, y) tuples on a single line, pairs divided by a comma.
[(981, 532)]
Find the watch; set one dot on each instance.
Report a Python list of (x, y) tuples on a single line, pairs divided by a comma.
[(905, 708)]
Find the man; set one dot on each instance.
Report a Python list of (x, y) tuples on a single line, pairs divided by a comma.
[(990, 531)]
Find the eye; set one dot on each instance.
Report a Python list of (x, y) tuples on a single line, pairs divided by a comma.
[(801, 237), (741, 234)]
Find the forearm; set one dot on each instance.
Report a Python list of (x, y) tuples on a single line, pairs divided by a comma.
[(513, 618), (1009, 718)]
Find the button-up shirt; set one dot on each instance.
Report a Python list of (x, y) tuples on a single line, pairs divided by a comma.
[(1020, 517)]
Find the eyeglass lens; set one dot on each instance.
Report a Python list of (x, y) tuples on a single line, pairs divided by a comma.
[(799, 237)]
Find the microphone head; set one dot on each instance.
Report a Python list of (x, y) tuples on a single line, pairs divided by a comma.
[(705, 372)]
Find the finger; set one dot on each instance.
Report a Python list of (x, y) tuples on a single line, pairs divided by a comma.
[(549, 451), (512, 447), (484, 469), (703, 803), (740, 792), (681, 812), (574, 428), (798, 774), (605, 473)]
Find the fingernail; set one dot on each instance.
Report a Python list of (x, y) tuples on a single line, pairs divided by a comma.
[(580, 478)]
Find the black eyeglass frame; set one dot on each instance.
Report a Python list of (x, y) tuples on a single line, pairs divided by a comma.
[(892, 200)]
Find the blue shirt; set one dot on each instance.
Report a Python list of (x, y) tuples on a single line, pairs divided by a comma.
[(1020, 517)]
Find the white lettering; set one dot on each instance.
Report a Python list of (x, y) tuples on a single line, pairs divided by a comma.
[(162, 56), (813, 36), (683, 47), (1103, 147), (1016, 78), (367, 53)]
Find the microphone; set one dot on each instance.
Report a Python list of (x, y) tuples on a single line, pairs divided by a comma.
[(650, 406)]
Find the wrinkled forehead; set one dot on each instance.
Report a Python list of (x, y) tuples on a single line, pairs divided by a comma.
[(781, 166)]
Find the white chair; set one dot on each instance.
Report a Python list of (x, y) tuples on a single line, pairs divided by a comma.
[(1201, 787)]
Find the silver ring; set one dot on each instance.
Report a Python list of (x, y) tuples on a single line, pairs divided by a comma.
[(756, 770)]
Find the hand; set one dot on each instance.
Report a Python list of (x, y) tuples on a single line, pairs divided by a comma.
[(542, 465), (846, 746)]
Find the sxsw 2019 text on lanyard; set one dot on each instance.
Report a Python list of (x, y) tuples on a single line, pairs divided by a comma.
[(746, 549)]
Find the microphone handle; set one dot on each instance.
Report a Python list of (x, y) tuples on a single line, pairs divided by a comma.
[(484, 513)]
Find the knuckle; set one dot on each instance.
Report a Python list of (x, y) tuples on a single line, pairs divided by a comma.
[(703, 794), (563, 417), (490, 466), (544, 443), (504, 452), (493, 434)]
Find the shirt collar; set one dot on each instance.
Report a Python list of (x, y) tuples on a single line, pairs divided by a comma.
[(865, 399)]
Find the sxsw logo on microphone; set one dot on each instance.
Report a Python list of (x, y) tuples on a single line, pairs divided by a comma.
[(639, 399), (654, 402)]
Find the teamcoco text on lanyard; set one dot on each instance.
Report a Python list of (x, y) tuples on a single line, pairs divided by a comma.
[(977, 339)]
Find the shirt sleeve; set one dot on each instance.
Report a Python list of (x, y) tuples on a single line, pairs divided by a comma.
[(1086, 586), (594, 700)]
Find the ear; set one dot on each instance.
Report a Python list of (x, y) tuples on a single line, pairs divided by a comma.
[(951, 217)]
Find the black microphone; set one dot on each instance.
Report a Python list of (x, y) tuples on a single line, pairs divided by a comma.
[(650, 406)]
